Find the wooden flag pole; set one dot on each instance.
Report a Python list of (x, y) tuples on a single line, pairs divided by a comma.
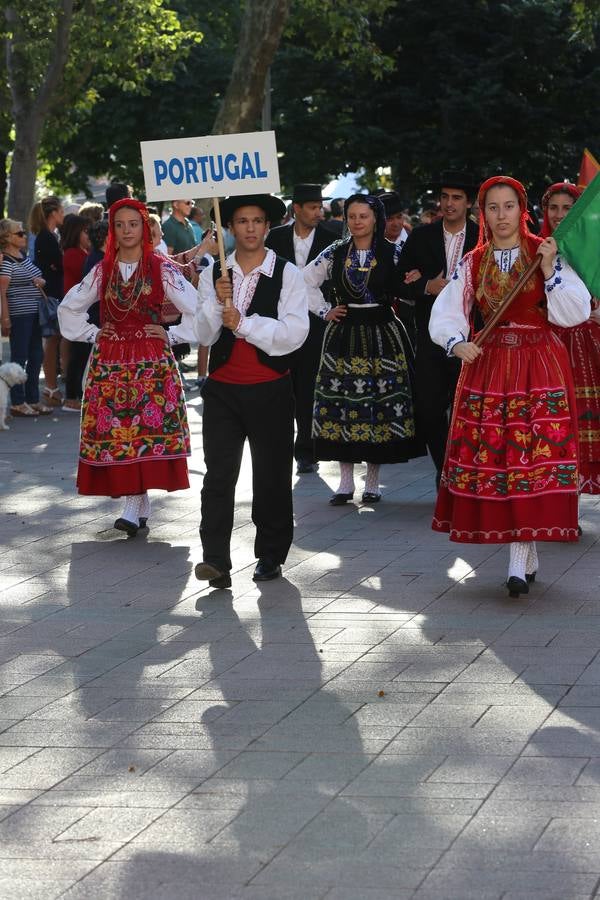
[(499, 314), (220, 242)]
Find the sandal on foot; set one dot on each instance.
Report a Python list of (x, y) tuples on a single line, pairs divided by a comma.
[(53, 396), (41, 409), (23, 410)]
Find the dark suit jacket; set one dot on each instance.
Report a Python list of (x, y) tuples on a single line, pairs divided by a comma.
[(281, 240), (424, 250)]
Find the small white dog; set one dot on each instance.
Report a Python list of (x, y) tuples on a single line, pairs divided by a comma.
[(10, 373)]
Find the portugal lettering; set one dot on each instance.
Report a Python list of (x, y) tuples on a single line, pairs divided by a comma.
[(190, 170)]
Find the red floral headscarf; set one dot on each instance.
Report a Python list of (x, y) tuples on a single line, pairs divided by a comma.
[(561, 187), (112, 244), (518, 188)]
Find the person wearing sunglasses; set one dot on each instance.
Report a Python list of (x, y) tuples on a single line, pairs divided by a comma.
[(20, 295)]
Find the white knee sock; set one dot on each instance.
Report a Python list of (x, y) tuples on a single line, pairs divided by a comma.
[(519, 551), (532, 563), (372, 479), (145, 508), (346, 478), (131, 510)]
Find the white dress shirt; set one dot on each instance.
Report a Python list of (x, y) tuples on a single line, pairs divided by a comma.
[(302, 247), (275, 337)]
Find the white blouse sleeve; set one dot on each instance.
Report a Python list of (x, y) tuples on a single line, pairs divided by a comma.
[(448, 324), (72, 309), (289, 330), (184, 297), (569, 301), (209, 312), (314, 274)]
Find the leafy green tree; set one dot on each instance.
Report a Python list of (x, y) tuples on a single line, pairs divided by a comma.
[(55, 52)]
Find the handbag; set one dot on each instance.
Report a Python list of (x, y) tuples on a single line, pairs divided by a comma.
[(48, 314)]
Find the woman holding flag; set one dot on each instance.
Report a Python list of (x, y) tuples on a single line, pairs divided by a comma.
[(510, 474), (583, 346)]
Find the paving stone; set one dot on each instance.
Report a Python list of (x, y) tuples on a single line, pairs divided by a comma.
[(374, 725)]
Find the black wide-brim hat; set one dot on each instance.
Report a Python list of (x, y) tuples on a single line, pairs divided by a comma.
[(391, 202), (462, 181), (274, 208), (307, 193)]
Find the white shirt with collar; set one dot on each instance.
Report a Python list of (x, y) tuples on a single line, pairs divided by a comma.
[(276, 337), (302, 247)]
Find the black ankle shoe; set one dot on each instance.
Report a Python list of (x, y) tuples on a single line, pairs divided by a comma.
[(340, 499), (216, 578), (371, 497), (530, 577), (516, 586), (143, 521), (130, 528), (266, 570)]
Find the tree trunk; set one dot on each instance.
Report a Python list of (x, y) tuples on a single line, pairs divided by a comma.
[(3, 181), (262, 27), (31, 102), (23, 170)]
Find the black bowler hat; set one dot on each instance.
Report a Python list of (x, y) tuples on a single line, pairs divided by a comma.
[(462, 181), (273, 207), (307, 193), (391, 202)]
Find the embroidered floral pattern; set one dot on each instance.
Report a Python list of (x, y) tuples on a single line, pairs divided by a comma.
[(503, 446), (133, 411)]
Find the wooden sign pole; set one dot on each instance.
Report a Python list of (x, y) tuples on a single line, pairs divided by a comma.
[(220, 241)]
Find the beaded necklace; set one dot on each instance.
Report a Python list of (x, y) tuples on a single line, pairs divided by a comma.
[(123, 297), (355, 278)]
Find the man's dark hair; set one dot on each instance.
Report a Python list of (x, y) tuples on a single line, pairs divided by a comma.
[(116, 191), (337, 207), (98, 232)]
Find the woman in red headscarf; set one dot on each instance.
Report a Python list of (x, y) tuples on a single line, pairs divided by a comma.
[(510, 474), (583, 346), (134, 432)]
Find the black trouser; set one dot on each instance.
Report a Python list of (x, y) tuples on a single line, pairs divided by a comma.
[(263, 413), (435, 384), (79, 353), (304, 374)]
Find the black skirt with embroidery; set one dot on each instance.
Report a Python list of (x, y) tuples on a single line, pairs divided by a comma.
[(363, 410)]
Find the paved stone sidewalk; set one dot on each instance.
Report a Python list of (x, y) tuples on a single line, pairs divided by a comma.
[(382, 724)]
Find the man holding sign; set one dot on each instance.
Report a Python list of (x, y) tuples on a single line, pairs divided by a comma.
[(253, 317)]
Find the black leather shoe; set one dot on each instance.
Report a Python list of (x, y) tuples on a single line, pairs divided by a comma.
[(143, 521), (371, 497), (222, 582), (216, 578), (516, 586), (306, 467), (130, 528), (530, 577), (266, 570), (340, 499)]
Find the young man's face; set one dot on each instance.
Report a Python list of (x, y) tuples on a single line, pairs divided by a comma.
[(393, 226), (453, 205), (249, 227), (309, 214)]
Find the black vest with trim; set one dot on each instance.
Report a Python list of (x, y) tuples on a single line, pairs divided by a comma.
[(264, 303)]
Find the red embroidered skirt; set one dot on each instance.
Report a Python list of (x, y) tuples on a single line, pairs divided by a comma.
[(583, 346), (134, 431), (511, 467)]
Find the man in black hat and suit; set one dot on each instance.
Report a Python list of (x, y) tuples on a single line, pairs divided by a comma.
[(435, 250), (301, 241), (253, 318)]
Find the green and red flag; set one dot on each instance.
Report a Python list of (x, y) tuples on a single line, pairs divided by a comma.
[(588, 169), (578, 237)]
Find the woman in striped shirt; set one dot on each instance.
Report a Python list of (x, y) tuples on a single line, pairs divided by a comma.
[(20, 283)]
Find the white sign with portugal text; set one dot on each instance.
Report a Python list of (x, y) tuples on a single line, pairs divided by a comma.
[(221, 165)]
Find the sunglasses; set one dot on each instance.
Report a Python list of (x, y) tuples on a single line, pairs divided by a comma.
[(19, 233)]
